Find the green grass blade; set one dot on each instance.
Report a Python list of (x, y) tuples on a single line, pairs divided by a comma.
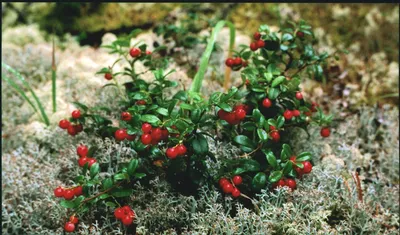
[(53, 78), (198, 78), (21, 78)]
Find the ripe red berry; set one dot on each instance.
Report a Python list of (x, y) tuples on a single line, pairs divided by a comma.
[(237, 61), (135, 52), (171, 153), (300, 34), (260, 43), (69, 227), (314, 106), (78, 128), (165, 134), (141, 102), (267, 103), (130, 137), (148, 52), (91, 161), (291, 183), (78, 191), (127, 220), (229, 62), (275, 136), (280, 183), (230, 118), (227, 188), (325, 132), (76, 114), (272, 128), (156, 134), (307, 167), (82, 161), (257, 36), (73, 219), (64, 124), (235, 193), (240, 114), (288, 114), (296, 113), (292, 158), (181, 149), (299, 96), (146, 128), (72, 130), (82, 150), (108, 76), (222, 114), (69, 194), (59, 192), (223, 181), (126, 116), (253, 46), (119, 213), (307, 114), (120, 134), (237, 179), (146, 139)]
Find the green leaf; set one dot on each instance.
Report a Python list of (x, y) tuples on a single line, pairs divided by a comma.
[(121, 176), (181, 95), (244, 140), (280, 121), (81, 106), (275, 176), (150, 119), (304, 156), (288, 167), (259, 180), (72, 203), (200, 145), (94, 170), (271, 159), (112, 205), (287, 37), (225, 107), (120, 192), (107, 183), (272, 122), (104, 196), (186, 106), (162, 111), (247, 165), (278, 81), (286, 150), (262, 134), (132, 166), (273, 93), (139, 175)]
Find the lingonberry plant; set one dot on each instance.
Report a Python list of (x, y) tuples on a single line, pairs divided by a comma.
[(170, 134)]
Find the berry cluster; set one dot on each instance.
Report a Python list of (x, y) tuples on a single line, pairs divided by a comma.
[(291, 183), (258, 43), (236, 116), (125, 214), (69, 227), (235, 63), (307, 167), (153, 135), (176, 151), (82, 151), (122, 134), (229, 188), (136, 52), (68, 193), (72, 129)]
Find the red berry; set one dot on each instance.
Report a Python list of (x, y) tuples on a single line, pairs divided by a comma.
[(237, 61), (260, 43), (253, 46), (299, 171), (78, 128), (156, 134), (235, 193), (64, 124), (141, 102), (300, 34), (146, 128), (245, 63), (288, 114), (222, 114), (126, 116), (307, 167), (59, 192), (76, 114), (69, 227), (272, 128), (237, 179), (120, 134), (292, 158), (257, 36), (229, 62), (314, 106), (135, 52), (73, 219), (146, 139), (91, 161), (267, 103), (223, 181), (130, 137), (78, 191), (280, 183), (275, 136), (227, 188), (291, 183), (307, 114), (127, 220), (119, 213), (172, 153), (82, 161), (296, 113), (148, 52), (299, 96), (82, 150), (325, 132), (181, 149), (240, 114), (164, 134), (72, 130), (69, 194), (230, 118), (108, 76)]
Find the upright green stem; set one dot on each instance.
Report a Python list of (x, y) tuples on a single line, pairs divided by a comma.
[(53, 78)]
